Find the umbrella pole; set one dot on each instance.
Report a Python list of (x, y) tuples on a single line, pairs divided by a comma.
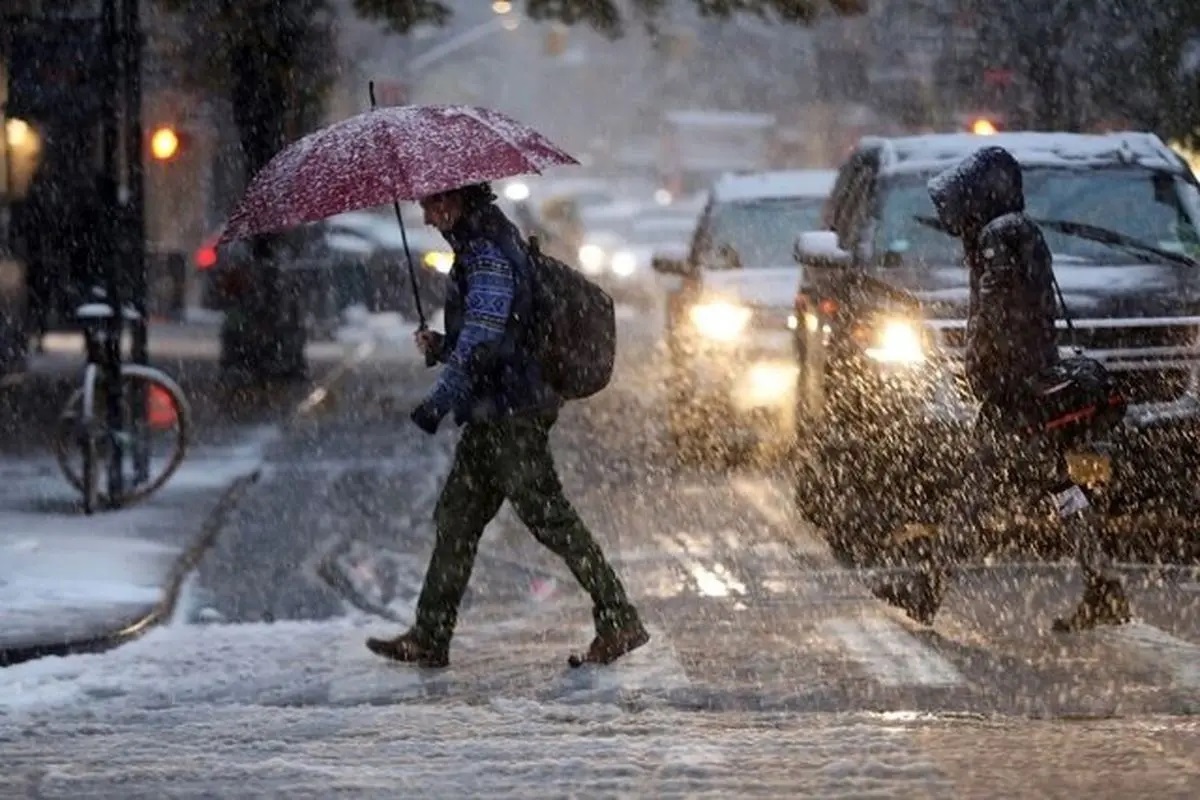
[(412, 271)]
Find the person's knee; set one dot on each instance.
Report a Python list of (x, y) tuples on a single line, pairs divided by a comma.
[(551, 520)]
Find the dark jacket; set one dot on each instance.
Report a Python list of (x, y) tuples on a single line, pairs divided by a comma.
[(489, 372), (1011, 336)]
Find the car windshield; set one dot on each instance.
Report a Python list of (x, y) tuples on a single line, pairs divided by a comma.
[(757, 233), (1148, 206)]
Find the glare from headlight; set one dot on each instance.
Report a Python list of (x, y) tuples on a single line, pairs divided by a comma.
[(898, 342), (721, 321), (623, 264), (439, 260), (517, 192), (591, 258)]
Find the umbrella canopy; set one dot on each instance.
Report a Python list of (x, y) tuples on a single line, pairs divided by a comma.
[(384, 155)]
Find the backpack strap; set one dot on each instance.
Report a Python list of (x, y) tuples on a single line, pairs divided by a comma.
[(1062, 302)]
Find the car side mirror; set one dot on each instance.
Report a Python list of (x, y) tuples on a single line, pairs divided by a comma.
[(820, 249), (670, 266)]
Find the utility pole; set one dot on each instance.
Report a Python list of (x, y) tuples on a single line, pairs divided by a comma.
[(133, 235), (110, 201)]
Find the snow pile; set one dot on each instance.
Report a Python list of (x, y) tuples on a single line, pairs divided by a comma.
[(64, 575), (71, 563)]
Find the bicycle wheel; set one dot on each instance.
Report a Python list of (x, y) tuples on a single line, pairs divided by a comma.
[(162, 435)]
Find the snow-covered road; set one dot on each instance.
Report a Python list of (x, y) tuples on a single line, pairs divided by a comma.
[(771, 672)]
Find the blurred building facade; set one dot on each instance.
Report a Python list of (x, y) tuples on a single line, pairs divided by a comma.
[(52, 64)]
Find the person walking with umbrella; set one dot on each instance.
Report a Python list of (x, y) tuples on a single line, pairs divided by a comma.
[(443, 156), (490, 383)]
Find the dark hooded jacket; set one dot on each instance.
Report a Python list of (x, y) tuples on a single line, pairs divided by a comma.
[(1011, 336)]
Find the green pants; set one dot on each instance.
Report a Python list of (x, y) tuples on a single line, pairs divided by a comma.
[(510, 458)]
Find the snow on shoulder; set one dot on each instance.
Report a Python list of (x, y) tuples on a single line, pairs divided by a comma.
[(934, 152), (775, 185)]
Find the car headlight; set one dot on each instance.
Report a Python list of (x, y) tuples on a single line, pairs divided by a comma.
[(517, 191), (623, 263), (591, 258), (897, 341), (722, 321), (439, 260)]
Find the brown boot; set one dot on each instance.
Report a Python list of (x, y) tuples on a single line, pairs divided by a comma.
[(607, 647), (409, 648), (1104, 603)]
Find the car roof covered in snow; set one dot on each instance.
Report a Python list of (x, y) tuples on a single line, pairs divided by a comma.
[(746, 187), (933, 152)]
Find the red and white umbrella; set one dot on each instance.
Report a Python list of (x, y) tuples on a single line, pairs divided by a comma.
[(385, 155)]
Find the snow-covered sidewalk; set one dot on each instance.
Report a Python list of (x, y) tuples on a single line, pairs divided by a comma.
[(66, 577)]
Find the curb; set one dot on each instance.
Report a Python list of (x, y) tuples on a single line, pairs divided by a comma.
[(189, 559)]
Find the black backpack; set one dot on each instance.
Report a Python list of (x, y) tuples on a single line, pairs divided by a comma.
[(572, 331)]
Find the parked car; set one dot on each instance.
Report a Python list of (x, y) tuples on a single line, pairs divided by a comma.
[(880, 317), (355, 258), (732, 369)]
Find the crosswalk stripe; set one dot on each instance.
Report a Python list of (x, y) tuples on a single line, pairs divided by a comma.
[(890, 654), (1180, 657)]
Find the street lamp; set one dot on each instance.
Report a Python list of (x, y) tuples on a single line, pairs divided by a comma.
[(502, 7), (18, 132)]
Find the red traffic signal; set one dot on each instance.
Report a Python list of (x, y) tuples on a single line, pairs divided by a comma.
[(166, 142)]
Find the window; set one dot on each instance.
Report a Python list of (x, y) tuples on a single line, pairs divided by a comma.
[(1155, 208), (756, 234)]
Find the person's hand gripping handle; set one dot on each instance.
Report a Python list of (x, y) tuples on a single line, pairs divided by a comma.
[(429, 343)]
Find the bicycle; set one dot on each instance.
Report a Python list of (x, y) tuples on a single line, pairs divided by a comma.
[(151, 403)]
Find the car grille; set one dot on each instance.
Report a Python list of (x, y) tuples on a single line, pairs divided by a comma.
[(1154, 383), (1103, 338)]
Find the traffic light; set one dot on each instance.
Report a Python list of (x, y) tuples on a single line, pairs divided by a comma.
[(984, 126), (167, 142)]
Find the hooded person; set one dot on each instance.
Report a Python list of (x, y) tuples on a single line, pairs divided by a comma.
[(1011, 341), (491, 384)]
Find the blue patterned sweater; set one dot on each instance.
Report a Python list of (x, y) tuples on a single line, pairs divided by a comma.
[(490, 288)]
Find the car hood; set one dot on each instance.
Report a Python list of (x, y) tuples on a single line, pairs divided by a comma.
[(1134, 290), (769, 286)]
